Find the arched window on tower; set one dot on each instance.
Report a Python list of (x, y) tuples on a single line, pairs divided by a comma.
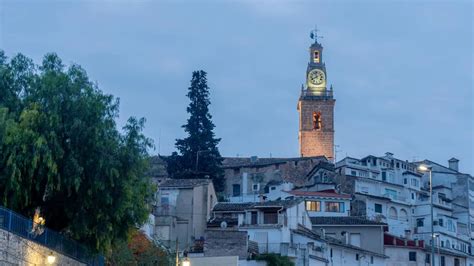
[(317, 123), (316, 57)]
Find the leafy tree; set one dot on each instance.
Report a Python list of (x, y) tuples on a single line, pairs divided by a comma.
[(60, 150), (139, 250), (198, 155)]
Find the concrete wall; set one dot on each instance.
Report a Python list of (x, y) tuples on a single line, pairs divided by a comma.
[(15, 250)]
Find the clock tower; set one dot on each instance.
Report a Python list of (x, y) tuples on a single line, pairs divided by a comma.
[(316, 107)]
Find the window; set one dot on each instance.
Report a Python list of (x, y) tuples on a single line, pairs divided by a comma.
[(412, 196), (317, 124), (236, 171), (331, 253), (357, 256), (378, 208), (354, 173), (384, 176), (316, 57), (398, 165), (255, 187), (456, 262), (165, 201), (335, 206), (371, 259), (443, 261), (414, 182), (427, 258), (451, 226), (314, 206), (270, 218), (412, 256), (272, 188), (440, 222), (420, 222), (253, 218), (236, 190), (405, 181)]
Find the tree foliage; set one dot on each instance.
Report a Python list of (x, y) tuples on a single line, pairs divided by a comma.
[(139, 250), (198, 155), (60, 150)]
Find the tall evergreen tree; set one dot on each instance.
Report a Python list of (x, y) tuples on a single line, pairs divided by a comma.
[(198, 155)]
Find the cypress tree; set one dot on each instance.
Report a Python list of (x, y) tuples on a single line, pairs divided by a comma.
[(198, 155)]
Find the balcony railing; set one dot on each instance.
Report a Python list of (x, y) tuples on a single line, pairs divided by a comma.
[(22, 226), (316, 94)]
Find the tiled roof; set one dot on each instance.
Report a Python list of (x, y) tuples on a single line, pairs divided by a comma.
[(229, 206), (319, 194), (348, 220), (231, 162), (184, 183), (240, 207), (216, 222)]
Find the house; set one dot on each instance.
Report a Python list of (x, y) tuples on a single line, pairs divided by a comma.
[(323, 203), (385, 189), (182, 210), (247, 178), (358, 232), (269, 224)]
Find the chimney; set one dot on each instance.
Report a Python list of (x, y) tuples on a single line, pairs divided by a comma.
[(454, 164)]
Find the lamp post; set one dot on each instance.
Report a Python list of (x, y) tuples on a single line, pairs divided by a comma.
[(426, 168)]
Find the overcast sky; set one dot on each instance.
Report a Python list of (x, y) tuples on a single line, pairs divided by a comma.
[(402, 71)]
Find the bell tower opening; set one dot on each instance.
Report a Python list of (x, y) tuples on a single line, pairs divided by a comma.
[(317, 120), (316, 107)]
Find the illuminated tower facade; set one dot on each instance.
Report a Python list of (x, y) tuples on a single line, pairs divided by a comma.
[(316, 107)]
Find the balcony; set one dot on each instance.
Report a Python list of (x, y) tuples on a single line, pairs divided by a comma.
[(316, 94)]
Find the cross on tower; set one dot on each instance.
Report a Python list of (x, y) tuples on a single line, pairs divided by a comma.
[(314, 34)]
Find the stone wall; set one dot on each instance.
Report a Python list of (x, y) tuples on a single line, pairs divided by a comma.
[(226, 243), (15, 250), (315, 142)]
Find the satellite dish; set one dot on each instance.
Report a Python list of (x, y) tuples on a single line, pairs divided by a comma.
[(223, 225)]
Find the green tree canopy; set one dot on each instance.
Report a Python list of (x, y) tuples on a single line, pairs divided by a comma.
[(60, 150), (198, 155)]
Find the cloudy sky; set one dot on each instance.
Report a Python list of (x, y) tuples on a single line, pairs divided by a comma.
[(402, 71)]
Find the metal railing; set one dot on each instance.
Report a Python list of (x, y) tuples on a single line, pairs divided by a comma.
[(308, 93), (22, 226)]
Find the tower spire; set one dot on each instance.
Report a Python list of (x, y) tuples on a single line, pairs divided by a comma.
[(314, 34)]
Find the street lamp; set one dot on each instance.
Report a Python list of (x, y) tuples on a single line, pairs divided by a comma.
[(51, 259), (186, 262), (425, 168)]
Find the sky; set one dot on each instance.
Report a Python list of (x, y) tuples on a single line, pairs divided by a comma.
[(402, 71)]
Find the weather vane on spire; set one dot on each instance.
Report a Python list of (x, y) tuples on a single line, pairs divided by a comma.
[(314, 34)]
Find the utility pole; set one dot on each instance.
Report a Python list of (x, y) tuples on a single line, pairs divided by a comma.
[(177, 253)]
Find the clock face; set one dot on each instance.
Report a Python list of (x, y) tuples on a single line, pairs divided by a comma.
[(316, 77)]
